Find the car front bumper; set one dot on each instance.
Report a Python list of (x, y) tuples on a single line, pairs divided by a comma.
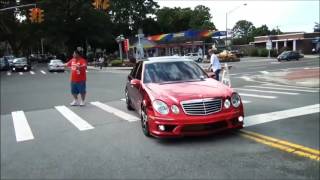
[(196, 125)]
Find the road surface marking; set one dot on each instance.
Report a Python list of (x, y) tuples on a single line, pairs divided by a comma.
[(43, 72), (20, 73), (274, 92), (245, 102), (55, 72), (246, 78), (31, 72), (21, 126), (258, 96), (9, 73), (117, 112), (123, 99), (264, 72), (87, 71), (77, 121), (278, 115), (283, 145), (280, 88), (299, 87)]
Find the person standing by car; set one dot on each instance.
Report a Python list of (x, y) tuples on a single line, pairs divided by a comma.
[(214, 63), (101, 61), (78, 77)]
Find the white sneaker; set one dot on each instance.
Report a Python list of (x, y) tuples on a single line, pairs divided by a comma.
[(74, 103), (82, 103)]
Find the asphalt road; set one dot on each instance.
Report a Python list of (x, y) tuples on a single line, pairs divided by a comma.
[(116, 148)]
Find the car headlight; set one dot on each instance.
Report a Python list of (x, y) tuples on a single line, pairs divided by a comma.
[(175, 109), (160, 107), (235, 100), (227, 104)]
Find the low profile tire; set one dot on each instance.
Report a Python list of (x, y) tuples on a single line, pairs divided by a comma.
[(128, 102), (144, 122)]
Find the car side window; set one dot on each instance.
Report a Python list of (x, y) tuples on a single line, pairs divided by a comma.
[(134, 70), (139, 71)]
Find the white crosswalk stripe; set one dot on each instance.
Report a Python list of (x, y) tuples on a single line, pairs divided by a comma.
[(31, 72), (8, 73), (264, 72), (20, 73), (280, 88), (288, 86), (21, 126), (76, 120), (116, 112), (43, 72), (274, 92), (258, 96)]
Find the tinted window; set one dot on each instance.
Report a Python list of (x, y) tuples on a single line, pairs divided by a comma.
[(139, 71), (134, 70), (172, 71)]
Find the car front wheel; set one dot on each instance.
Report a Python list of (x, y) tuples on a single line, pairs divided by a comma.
[(144, 122), (128, 101)]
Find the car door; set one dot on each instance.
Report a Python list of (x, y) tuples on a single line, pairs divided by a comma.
[(137, 91), (133, 92)]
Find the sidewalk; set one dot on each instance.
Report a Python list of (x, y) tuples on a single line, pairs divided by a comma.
[(304, 77)]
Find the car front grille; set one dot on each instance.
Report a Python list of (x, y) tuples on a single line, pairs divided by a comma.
[(202, 106)]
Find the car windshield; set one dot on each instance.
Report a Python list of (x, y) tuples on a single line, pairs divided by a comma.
[(20, 60), (56, 62), (163, 72), (285, 53)]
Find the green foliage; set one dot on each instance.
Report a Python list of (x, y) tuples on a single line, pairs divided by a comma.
[(116, 62), (262, 52), (253, 52)]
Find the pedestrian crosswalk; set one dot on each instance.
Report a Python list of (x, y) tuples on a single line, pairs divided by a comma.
[(77, 116), (271, 91)]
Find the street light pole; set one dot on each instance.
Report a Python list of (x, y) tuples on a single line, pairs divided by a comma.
[(229, 12)]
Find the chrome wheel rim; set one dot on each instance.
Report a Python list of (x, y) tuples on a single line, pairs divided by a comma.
[(144, 119)]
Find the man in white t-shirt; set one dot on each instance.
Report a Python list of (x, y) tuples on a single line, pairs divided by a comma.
[(214, 63)]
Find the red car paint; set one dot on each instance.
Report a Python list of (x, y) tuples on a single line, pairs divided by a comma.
[(143, 94)]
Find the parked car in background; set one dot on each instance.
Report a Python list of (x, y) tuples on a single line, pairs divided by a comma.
[(9, 58), (21, 64), (194, 56), (55, 65), (175, 97), (4, 64), (289, 55)]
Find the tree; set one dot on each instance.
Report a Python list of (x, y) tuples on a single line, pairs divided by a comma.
[(243, 30), (201, 18)]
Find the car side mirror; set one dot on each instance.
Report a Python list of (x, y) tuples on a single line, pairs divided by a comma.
[(135, 82)]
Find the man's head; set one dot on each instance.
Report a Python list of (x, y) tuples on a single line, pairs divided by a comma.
[(213, 50), (76, 54)]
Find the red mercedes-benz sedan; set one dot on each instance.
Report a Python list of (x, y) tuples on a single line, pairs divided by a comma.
[(175, 97)]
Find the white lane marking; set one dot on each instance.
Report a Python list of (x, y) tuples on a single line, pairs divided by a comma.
[(117, 112), (258, 96), (8, 73), (55, 72), (43, 72), (20, 73), (264, 72), (74, 118), (278, 115), (246, 78), (279, 85), (274, 92), (31, 72), (245, 102), (280, 88), (21, 126), (123, 99)]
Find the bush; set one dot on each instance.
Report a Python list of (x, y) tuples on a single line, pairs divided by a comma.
[(116, 62), (263, 52), (273, 53), (253, 52)]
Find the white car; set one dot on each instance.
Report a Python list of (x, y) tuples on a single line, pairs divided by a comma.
[(56, 65), (194, 56)]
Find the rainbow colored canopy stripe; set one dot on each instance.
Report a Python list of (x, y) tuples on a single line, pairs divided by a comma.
[(186, 34)]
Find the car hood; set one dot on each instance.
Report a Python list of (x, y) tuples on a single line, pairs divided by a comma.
[(177, 92)]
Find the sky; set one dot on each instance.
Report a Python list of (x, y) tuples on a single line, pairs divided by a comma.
[(289, 16)]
